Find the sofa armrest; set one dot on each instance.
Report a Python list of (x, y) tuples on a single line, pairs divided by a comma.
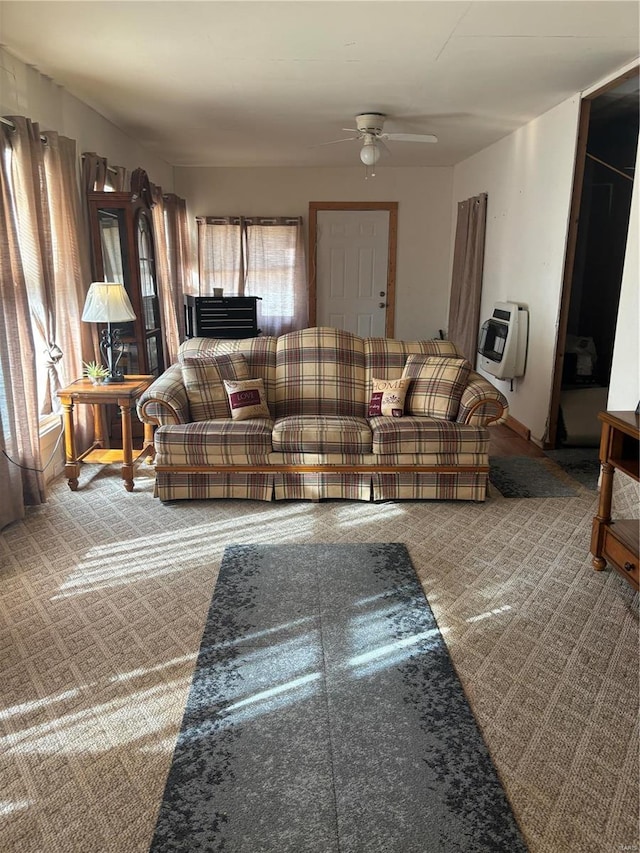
[(481, 403), (165, 400)]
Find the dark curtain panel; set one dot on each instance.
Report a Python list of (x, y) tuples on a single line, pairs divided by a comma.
[(466, 277)]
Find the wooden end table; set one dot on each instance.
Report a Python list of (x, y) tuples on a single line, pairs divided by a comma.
[(617, 540), (123, 394)]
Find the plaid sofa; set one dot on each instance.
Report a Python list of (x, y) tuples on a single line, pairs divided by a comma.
[(319, 442)]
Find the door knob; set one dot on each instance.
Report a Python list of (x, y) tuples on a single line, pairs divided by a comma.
[(382, 293), (382, 305)]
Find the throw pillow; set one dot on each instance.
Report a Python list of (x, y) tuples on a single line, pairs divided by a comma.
[(437, 385), (247, 399), (203, 377), (387, 397)]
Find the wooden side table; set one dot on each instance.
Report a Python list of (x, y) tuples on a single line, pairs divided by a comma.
[(123, 394), (616, 540)]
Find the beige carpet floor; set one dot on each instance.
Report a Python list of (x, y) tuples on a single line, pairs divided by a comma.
[(104, 594)]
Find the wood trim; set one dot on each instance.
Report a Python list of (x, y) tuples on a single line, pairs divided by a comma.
[(569, 262), (327, 469), (392, 208), (518, 428), (570, 253), (632, 72)]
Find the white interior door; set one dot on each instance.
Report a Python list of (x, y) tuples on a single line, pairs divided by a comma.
[(352, 259)]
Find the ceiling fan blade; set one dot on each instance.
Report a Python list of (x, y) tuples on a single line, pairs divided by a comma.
[(335, 141), (410, 137), (350, 129), (383, 148)]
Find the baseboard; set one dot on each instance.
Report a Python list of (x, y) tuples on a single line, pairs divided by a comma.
[(518, 428)]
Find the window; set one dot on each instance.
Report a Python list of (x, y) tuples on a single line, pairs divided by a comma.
[(263, 257)]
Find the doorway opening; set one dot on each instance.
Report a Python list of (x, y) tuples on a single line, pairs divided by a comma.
[(603, 184)]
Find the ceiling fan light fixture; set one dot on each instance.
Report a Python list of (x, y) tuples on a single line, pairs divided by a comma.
[(370, 153)]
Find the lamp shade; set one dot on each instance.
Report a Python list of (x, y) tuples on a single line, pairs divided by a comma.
[(107, 302)]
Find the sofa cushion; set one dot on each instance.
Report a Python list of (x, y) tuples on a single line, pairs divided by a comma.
[(437, 385), (203, 376), (320, 371), (424, 435), (387, 397), (321, 434), (247, 399), (221, 442)]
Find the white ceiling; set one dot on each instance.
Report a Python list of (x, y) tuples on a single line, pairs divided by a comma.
[(242, 83)]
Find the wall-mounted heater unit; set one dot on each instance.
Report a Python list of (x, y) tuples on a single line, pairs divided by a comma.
[(503, 341)]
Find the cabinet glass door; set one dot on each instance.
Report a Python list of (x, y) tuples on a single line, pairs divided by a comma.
[(149, 296)]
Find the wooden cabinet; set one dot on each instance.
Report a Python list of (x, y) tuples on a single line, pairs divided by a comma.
[(616, 540), (123, 251)]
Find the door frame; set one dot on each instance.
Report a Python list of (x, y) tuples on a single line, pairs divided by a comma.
[(392, 208), (570, 252)]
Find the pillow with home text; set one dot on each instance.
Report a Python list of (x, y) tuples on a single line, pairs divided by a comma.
[(387, 397)]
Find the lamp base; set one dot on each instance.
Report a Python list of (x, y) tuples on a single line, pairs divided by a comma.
[(116, 377)]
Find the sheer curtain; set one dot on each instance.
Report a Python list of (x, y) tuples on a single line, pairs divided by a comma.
[(276, 272), (44, 275), (257, 256), (466, 277), (220, 255)]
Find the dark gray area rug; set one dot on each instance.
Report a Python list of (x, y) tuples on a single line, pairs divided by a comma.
[(526, 477), (325, 716), (581, 463)]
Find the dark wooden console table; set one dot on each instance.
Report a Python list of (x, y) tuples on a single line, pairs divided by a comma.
[(616, 540)]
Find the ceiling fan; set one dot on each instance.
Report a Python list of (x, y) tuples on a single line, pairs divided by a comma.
[(370, 130)]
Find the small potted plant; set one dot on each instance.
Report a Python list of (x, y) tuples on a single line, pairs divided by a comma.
[(97, 373)]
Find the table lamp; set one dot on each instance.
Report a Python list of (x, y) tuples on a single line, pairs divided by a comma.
[(107, 302)]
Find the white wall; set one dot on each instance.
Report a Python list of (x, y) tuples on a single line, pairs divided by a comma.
[(26, 92), (528, 177), (424, 220)]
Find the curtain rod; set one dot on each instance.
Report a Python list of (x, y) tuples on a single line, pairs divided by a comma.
[(11, 124), (109, 168)]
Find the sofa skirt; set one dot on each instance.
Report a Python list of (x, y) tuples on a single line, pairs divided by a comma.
[(180, 485), (322, 485), (430, 485), (318, 486)]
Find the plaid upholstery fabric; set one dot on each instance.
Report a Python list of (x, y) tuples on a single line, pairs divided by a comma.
[(323, 486), (437, 386), (320, 371), (178, 485), (165, 400), (481, 403), (445, 439), (385, 358), (461, 486), (322, 434), (259, 352), (220, 442), (203, 376)]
